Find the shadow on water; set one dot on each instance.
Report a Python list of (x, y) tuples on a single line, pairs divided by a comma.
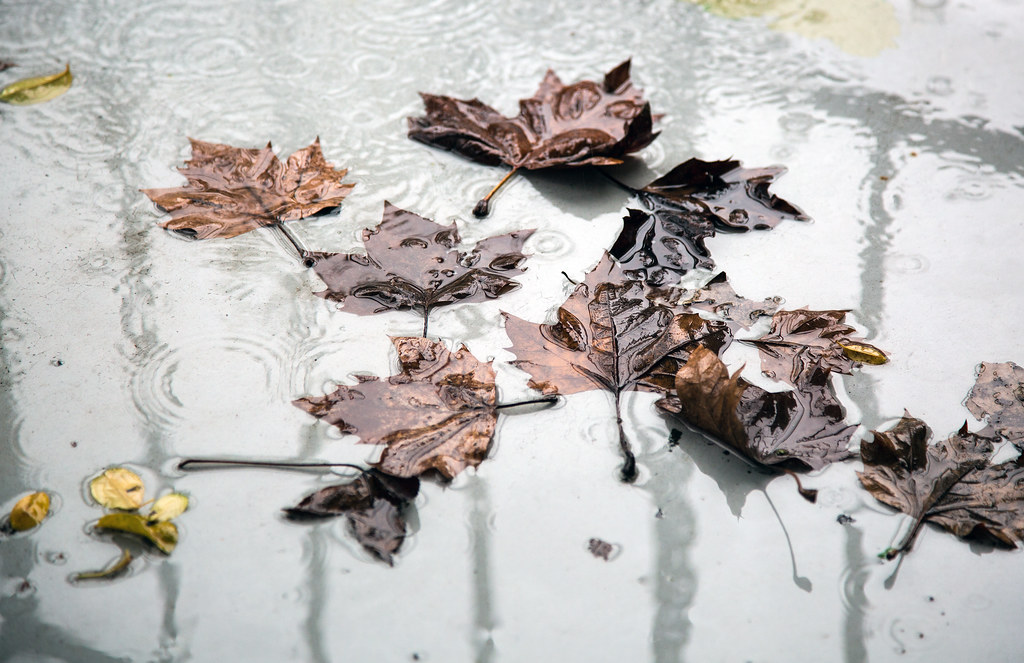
[(482, 638), (316, 589), (855, 601)]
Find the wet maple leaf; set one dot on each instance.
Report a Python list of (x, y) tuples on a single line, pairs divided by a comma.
[(803, 429), (232, 190), (737, 198), (413, 263), (586, 123), (658, 247), (610, 335), (801, 337), (373, 503), (952, 483), (998, 395), (438, 413), (718, 296)]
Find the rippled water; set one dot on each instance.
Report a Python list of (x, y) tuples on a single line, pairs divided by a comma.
[(122, 344)]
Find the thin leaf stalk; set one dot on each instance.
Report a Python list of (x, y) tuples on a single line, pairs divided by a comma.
[(483, 206)]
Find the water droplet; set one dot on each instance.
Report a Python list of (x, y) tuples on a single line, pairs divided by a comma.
[(939, 85)]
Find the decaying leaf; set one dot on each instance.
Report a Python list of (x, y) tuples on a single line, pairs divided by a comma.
[(373, 503), (438, 413), (167, 507), (803, 337), (114, 569), (659, 246), (998, 395), (737, 198), (952, 482), (118, 488), (586, 123), (232, 190), (29, 511), (413, 263), (717, 296), (802, 429), (610, 335), (163, 535), (37, 89), (600, 549)]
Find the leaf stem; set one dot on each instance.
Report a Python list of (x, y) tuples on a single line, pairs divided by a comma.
[(198, 463), (628, 473), (550, 398), (483, 206), (305, 255), (809, 494), (621, 185), (426, 317)]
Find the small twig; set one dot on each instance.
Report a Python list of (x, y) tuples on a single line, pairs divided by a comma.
[(197, 463), (567, 278), (551, 398), (482, 207)]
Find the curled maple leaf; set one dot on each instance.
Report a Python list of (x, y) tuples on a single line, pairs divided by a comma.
[(611, 334), (585, 123), (413, 263), (232, 190)]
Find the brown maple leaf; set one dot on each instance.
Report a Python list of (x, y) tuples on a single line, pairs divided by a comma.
[(586, 123), (373, 504), (998, 395), (952, 483), (610, 335), (718, 296), (803, 429), (438, 413), (802, 337), (737, 198), (232, 190), (659, 246), (413, 263)]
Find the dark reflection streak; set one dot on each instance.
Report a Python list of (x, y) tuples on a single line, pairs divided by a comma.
[(854, 648), (170, 585), (674, 537), (317, 589), (482, 637)]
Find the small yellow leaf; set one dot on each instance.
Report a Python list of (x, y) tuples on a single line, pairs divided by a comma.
[(169, 506), (862, 352), (29, 511), (162, 535), (118, 488), (38, 89), (120, 565)]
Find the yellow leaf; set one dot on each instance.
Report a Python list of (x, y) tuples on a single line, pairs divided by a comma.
[(162, 535), (29, 511), (120, 565), (169, 506), (118, 488), (864, 353), (36, 90)]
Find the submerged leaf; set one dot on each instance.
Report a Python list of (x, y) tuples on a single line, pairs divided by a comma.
[(438, 413), (413, 263), (38, 89), (163, 535), (167, 507), (114, 569), (232, 190), (373, 503), (118, 488), (29, 511), (998, 395), (801, 429)]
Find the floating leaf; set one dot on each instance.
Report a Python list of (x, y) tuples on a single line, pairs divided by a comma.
[(718, 297), (118, 488), (586, 123), (232, 190), (114, 569), (29, 511), (38, 89), (864, 353), (167, 507), (163, 535), (659, 246), (998, 395)]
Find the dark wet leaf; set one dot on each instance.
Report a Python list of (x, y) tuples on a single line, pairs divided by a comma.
[(438, 413), (799, 430), (37, 89), (718, 297), (600, 549), (737, 198), (802, 337), (998, 395), (232, 190), (586, 123), (951, 483), (6, 65), (610, 335), (413, 263), (373, 503), (659, 246)]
